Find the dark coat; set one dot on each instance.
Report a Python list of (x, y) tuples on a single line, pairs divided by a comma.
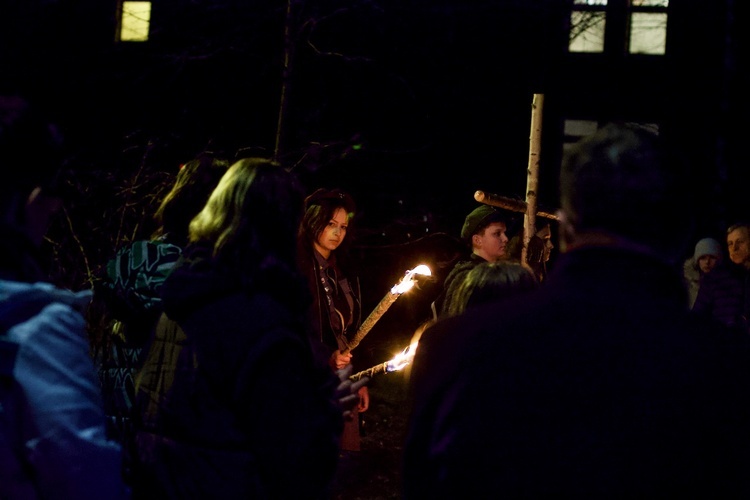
[(229, 401), (724, 295), (320, 311), (453, 280), (600, 384)]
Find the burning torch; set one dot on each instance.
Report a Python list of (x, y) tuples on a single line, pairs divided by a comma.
[(399, 362), (404, 285)]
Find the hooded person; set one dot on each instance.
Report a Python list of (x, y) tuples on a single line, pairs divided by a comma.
[(706, 256)]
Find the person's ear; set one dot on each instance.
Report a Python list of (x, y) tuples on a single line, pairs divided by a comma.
[(476, 239)]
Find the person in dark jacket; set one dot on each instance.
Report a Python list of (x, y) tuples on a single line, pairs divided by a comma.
[(230, 401), (336, 312), (601, 383), (484, 233), (129, 291), (724, 294)]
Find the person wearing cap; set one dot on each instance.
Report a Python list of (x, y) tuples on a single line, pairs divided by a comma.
[(724, 294), (705, 257), (53, 441), (485, 233), (230, 401)]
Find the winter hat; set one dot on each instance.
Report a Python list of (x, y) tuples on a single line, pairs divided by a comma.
[(479, 218), (707, 246)]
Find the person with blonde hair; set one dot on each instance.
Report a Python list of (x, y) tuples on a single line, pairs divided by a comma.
[(231, 401)]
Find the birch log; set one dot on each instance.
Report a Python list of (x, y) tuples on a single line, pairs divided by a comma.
[(511, 204), (532, 173)]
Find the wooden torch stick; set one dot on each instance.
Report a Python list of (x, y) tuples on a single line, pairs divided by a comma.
[(373, 318), (511, 204)]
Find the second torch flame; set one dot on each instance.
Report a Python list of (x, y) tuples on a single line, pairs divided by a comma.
[(399, 362)]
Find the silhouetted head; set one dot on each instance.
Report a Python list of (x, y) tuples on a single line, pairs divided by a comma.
[(619, 183), (487, 282), (193, 185), (31, 151), (250, 220)]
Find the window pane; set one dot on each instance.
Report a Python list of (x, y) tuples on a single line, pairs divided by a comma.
[(591, 2), (586, 31), (579, 128), (136, 17), (648, 33), (650, 3)]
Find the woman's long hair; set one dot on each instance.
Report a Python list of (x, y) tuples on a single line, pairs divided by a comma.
[(193, 185), (250, 223)]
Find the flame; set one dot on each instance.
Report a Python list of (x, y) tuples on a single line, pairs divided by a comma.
[(402, 359), (407, 282)]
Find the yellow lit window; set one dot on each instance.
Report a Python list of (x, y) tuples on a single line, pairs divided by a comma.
[(135, 21)]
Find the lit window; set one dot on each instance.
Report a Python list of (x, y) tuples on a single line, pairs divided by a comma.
[(587, 22), (587, 31), (574, 130), (648, 27), (135, 21), (644, 30), (578, 128)]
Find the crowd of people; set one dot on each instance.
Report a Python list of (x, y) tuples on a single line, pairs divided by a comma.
[(620, 371)]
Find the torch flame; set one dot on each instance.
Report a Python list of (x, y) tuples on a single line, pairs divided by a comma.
[(402, 359), (407, 282)]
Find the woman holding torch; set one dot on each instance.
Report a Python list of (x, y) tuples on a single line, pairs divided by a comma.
[(336, 310)]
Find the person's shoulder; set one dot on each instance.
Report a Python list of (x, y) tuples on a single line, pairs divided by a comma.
[(26, 299), (45, 315), (722, 274)]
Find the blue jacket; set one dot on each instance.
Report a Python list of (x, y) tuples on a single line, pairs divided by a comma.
[(52, 424)]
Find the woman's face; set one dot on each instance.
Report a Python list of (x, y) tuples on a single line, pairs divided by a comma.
[(706, 263), (333, 234)]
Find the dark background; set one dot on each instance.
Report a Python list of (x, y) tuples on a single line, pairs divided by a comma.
[(411, 105)]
